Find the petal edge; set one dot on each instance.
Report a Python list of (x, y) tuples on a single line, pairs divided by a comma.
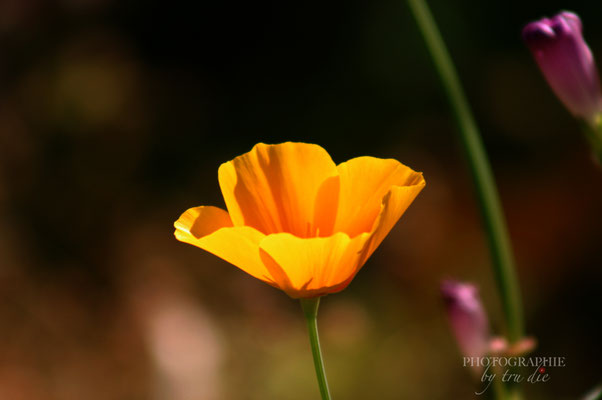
[(237, 245), (309, 267)]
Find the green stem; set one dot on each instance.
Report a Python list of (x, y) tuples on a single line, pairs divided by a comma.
[(493, 219), (480, 169), (593, 133), (310, 310), (499, 390), (595, 394)]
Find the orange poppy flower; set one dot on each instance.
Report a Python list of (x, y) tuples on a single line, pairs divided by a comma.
[(296, 220)]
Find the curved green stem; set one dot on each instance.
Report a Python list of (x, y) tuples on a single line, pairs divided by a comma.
[(482, 176), (310, 311)]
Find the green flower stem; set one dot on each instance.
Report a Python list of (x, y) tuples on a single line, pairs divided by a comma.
[(310, 310), (499, 390), (499, 243), (595, 394), (593, 133)]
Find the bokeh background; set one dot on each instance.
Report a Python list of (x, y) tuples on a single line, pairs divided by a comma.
[(114, 117)]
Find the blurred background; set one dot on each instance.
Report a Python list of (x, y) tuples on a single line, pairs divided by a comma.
[(115, 116)]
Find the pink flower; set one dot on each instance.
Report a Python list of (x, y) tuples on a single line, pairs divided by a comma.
[(467, 317), (566, 62)]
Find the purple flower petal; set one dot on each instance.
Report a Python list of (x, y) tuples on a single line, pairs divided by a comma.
[(467, 317), (566, 62)]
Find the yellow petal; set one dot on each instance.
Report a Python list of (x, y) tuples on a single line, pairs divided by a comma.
[(394, 204), (210, 228), (201, 221), (364, 183), (309, 267), (326, 206), (273, 188)]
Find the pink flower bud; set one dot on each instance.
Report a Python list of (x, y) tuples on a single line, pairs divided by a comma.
[(467, 317), (566, 62)]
